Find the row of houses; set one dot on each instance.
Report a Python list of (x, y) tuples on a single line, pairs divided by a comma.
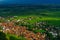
[(9, 27)]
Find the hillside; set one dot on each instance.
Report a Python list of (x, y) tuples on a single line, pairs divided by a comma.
[(30, 22)]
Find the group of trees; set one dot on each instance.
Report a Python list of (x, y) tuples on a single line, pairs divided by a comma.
[(4, 36)]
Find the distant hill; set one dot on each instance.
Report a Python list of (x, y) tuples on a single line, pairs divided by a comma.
[(14, 9), (29, 5)]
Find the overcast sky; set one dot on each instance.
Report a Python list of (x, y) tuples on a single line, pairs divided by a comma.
[(29, 1)]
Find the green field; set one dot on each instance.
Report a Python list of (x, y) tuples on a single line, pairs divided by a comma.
[(53, 18), (29, 17)]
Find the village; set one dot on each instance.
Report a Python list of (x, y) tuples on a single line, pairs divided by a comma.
[(30, 33)]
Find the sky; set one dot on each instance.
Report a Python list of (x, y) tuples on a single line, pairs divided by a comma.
[(29, 1)]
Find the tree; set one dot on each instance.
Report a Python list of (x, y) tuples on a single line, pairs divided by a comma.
[(57, 38), (16, 38), (49, 36), (3, 36), (1, 28)]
